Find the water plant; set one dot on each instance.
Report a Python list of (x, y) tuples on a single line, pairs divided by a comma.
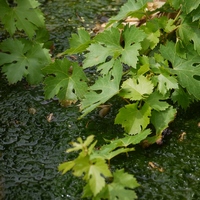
[(148, 55)]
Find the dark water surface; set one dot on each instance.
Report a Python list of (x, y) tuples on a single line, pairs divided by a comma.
[(31, 147)]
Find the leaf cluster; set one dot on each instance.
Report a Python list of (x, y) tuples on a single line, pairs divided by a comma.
[(24, 53), (91, 165)]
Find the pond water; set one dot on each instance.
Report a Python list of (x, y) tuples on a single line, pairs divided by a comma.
[(31, 146)]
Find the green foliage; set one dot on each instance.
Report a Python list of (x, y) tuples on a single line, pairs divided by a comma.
[(23, 57), (65, 79), (25, 16), (154, 65), (92, 167)]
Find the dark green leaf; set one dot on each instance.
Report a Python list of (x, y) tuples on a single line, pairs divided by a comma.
[(66, 80)]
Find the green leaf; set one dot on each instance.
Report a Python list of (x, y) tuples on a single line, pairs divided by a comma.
[(104, 68), (96, 173), (155, 101), (133, 120), (66, 80), (81, 145), (182, 98), (122, 185), (166, 82), (103, 89), (22, 58), (97, 54), (161, 119), (186, 6), (187, 70), (111, 150), (131, 7), (152, 38), (132, 139), (130, 55), (82, 165), (136, 89), (195, 14), (109, 37), (25, 16), (189, 31), (132, 34), (78, 42), (66, 166), (132, 38)]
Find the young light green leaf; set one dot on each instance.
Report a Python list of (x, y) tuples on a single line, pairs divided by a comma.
[(161, 119), (136, 88), (155, 101), (152, 38), (132, 139), (121, 185), (187, 70), (111, 150), (108, 85), (78, 42), (66, 166), (81, 145), (23, 59), (133, 120), (166, 83), (96, 174), (25, 16), (66, 80)]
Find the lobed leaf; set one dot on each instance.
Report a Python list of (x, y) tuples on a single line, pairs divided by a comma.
[(25, 16), (134, 119), (189, 31), (66, 80), (103, 89), (78, 42), (136, 88), (161, 119), (130, 8), (187, 70), (22, 58), (157, 101), (121, 188)]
